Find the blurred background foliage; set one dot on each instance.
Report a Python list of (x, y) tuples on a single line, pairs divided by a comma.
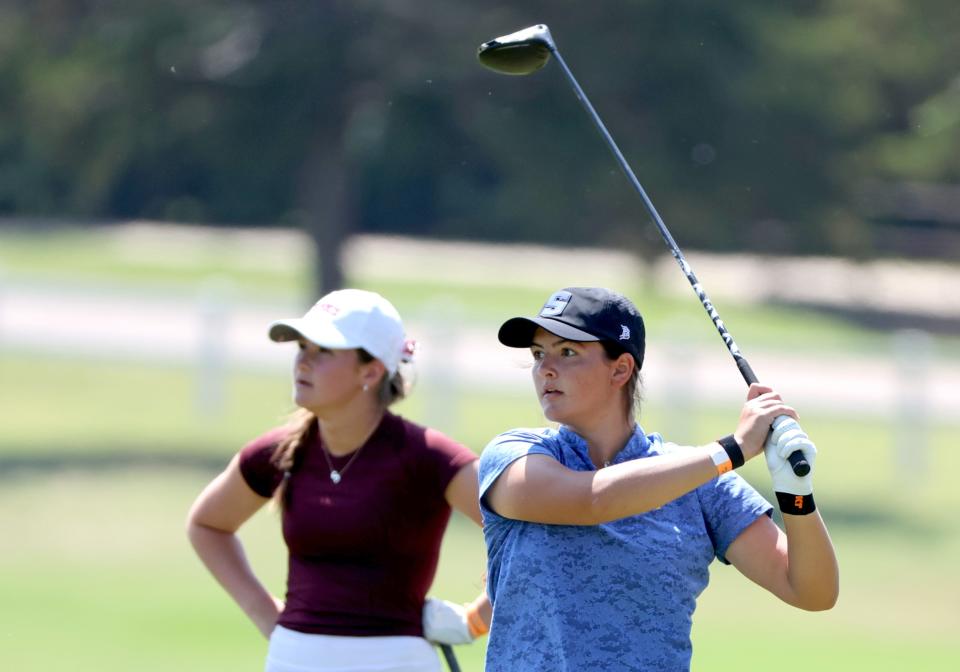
[(804, 127)]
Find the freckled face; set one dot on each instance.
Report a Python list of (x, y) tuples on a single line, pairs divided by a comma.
[(324, 378), (572, 379)]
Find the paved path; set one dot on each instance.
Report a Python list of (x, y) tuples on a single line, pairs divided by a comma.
[(138, 326)]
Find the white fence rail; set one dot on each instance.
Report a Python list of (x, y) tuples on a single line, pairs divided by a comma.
[(215, 332)]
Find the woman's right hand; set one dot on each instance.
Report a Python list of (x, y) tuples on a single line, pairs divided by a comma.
[(267, 621), (763, 405)]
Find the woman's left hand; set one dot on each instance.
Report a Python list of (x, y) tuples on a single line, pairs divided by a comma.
[(787, 437), (763, 405), (445, 622)]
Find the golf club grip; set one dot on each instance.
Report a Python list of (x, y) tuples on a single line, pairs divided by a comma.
[(450, 657), (796, 459), (798, 463)]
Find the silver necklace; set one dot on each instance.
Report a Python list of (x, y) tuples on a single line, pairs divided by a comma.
[(336, 475)]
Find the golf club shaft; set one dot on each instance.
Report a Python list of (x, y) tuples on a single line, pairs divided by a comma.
[(450, 657), (797, 461)]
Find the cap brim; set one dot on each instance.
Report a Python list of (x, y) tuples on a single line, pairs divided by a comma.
[(325, 335), (518, 332)]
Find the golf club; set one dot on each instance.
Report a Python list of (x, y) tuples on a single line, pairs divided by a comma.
[(450, 657), (528, 50)]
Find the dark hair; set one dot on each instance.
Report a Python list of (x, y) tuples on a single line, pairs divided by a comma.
[(634, 387), (303, 426)]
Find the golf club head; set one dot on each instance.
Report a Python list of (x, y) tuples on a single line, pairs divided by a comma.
[(518, 53)]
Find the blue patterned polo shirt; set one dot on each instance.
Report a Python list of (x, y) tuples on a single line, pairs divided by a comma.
[(616, 596)]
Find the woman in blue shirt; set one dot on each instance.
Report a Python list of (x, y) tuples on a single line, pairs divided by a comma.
[(599, 536)]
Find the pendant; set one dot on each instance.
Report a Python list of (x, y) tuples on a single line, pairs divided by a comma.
[(335, 476)]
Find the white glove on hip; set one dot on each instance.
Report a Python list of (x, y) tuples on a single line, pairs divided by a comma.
[(787, 437), (445, 622)]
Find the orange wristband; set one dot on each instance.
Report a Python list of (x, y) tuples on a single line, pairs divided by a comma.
[(475, 624), (721, 461)]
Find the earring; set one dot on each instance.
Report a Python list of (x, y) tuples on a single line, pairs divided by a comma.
[(365, 387)]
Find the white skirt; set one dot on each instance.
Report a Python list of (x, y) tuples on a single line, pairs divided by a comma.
[(292, 651)]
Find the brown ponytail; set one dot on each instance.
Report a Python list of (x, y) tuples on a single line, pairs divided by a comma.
[(303, 427)]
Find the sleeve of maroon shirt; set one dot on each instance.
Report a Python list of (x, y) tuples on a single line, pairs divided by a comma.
[(256, 463), (445, 457)]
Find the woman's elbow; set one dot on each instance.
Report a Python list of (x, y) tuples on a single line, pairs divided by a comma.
[(830, 601), (192, 528), (196, 526), (821, 601), (192, 521), (820, 605)]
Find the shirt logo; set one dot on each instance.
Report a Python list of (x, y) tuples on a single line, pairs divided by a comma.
[(556, 304), (624, 333)]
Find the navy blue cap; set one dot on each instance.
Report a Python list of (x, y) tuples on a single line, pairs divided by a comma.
[(582, 314)]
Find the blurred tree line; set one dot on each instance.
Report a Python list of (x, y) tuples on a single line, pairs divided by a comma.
[(753, 125)]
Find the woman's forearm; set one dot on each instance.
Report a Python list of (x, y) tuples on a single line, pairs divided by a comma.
[(638, 486), (223, 555), (813, 572)]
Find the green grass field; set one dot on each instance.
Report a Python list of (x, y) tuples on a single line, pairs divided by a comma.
[(100, 460), (96, 575)]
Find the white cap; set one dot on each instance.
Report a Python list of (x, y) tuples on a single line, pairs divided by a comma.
[(347, 319)]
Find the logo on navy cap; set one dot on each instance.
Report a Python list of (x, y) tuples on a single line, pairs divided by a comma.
[(556, 304)]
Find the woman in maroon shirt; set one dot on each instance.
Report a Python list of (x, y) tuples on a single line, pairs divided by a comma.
[(365, 497)]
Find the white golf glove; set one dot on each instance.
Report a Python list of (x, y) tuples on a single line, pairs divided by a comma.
[(445, 622), (794, 493)]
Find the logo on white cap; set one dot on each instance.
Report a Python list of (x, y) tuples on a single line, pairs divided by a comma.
[(350, 318)]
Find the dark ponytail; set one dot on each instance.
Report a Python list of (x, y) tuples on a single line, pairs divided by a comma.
[(633, 390)]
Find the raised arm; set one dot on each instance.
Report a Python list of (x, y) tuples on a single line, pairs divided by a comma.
[(536, 488), (218, 512)]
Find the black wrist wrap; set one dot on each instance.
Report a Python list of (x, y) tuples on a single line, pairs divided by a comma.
[(796, 505), (729, 444)]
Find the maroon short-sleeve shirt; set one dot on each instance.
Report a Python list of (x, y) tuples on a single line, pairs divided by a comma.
[(362, 552)]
